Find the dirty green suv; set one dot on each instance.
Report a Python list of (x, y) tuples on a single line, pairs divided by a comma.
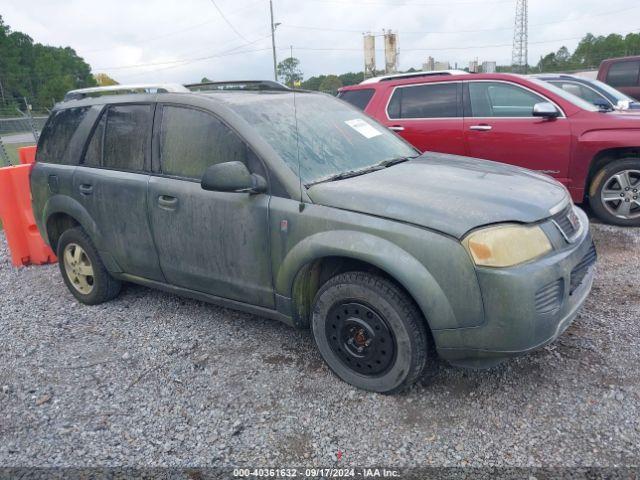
[(298, 207)]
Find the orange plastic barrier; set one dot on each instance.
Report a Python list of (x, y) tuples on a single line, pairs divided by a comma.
[(25, 243), (27, 154)]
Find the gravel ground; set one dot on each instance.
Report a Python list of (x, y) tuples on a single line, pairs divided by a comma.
[(152, 379)]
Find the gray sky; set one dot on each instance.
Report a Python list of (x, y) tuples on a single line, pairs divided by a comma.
[(169, 40)]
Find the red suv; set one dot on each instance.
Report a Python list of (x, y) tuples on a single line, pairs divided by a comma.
[(518, 120)]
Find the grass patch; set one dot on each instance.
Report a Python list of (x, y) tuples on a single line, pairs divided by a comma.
[(12, 150)]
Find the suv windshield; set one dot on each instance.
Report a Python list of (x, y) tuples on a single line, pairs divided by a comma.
[(334, 137)]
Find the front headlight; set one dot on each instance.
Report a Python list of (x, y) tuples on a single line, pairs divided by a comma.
[(506, 245)]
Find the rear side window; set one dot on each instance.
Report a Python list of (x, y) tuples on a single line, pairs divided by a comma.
[(57, 133), (623, 74), (191, 141), (127, 135), (93, 155), (358, 98), (425, 101)]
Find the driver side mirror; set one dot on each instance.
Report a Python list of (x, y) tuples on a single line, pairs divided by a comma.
[(232, 177), (545, 110)]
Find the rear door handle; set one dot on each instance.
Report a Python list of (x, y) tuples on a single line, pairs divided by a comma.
[(167, 202), (397, 128), (86, 189), (481, 128)]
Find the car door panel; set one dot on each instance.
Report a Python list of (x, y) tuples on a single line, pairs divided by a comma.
[(526, 141), (431, 121), (111, 184), (212, 242)]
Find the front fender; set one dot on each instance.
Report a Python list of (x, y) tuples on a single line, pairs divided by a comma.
[(390, 258)]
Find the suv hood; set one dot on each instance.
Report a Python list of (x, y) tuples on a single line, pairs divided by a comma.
[(448, 193)]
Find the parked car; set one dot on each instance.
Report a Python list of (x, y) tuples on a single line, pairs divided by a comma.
[(298, 207), (593, 91), (623, 74), (519, 120)]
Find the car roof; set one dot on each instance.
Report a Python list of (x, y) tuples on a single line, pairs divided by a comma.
[(434, 79)]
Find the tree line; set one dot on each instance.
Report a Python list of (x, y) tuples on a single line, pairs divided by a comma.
[(587, 56), (41, 73)]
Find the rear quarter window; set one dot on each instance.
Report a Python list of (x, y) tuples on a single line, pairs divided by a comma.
[(57, 134), (358, 98)]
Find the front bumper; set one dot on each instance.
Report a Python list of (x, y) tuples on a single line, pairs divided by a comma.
[(526, 307)]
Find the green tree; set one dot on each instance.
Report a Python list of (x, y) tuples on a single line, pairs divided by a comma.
[(41, 73), (289, 70), (330, 84)]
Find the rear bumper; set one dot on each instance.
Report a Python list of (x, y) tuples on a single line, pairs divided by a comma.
[(526, 307)]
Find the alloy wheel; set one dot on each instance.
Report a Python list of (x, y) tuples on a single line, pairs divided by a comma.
[(78, 268), (620, 194)]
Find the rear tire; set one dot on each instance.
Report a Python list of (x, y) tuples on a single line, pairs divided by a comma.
[(614, 194), (370, 332), (82, 269)]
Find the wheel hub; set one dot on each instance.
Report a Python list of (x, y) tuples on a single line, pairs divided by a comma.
[(361, 338)]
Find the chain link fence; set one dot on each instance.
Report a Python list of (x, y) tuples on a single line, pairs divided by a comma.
[(20, 125)]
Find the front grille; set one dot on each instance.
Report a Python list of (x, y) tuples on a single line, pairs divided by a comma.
[(549, 297), (563, 221), (580, 270)]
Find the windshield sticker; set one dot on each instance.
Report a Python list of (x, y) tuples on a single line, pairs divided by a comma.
[(363, 128)]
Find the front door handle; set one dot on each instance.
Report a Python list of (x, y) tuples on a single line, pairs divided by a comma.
[(397, 128), (167, 202), (481, 128), (85, 189)]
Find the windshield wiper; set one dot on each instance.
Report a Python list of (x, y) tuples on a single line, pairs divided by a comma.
[(344, 175), (394, 161), (361, 171)]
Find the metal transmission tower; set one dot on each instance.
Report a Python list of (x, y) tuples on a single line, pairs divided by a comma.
[(520, 54)]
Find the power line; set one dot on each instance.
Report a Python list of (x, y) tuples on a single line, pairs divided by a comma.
[(228, 22), (453, 32), (412, 4), (177, 32), (152, 64)]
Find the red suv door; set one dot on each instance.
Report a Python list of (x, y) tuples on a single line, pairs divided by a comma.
[(499, 125), (429, 116)]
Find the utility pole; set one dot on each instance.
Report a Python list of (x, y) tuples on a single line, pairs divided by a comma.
[(273, 42)]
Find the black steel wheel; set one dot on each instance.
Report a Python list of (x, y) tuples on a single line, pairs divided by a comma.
[(370, 332), (361, 338)]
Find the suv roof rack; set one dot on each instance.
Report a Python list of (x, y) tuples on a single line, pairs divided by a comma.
[(425, 73), (250, 85), (124, 89)]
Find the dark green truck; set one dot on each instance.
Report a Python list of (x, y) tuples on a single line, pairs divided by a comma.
[(298, 207)]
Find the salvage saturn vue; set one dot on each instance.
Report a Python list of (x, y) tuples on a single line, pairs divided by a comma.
[(298, 207)]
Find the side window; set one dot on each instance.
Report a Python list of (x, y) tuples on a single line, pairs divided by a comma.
[(438, 100), (126, 139), (495, 99), (191, 141), (358, 98), (581, 91), (57, 135), (93, 155), (623, 74)]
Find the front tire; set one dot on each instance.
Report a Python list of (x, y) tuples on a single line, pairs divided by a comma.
[(82, 269), (614, 194), (370, 333)]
